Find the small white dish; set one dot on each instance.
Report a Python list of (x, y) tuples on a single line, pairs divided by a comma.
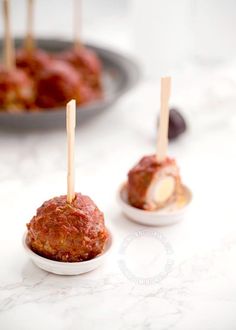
[(68, 268), (166, 216)]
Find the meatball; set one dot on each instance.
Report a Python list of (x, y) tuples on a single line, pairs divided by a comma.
[(16, 90), (152, 185), (32, 62), (57, 84), (68, 232), (88, 65), (86, 61)]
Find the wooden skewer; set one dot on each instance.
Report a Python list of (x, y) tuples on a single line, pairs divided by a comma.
[(29, 40), (77, 22), (162, 140), (9, 51), (70, 127)]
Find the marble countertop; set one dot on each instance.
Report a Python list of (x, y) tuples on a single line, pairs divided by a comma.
[(198, 291)]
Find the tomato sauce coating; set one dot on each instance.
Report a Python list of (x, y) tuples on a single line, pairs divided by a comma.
[(68, 232), (58, 84), (16, 90), (88, 64), (32, 62)]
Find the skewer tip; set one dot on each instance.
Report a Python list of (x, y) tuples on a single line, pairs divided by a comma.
[(71, 103)]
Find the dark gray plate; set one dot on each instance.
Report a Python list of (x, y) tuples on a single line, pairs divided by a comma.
[(119, 75)]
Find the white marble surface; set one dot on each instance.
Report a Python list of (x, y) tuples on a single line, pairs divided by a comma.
[(199, 291)]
